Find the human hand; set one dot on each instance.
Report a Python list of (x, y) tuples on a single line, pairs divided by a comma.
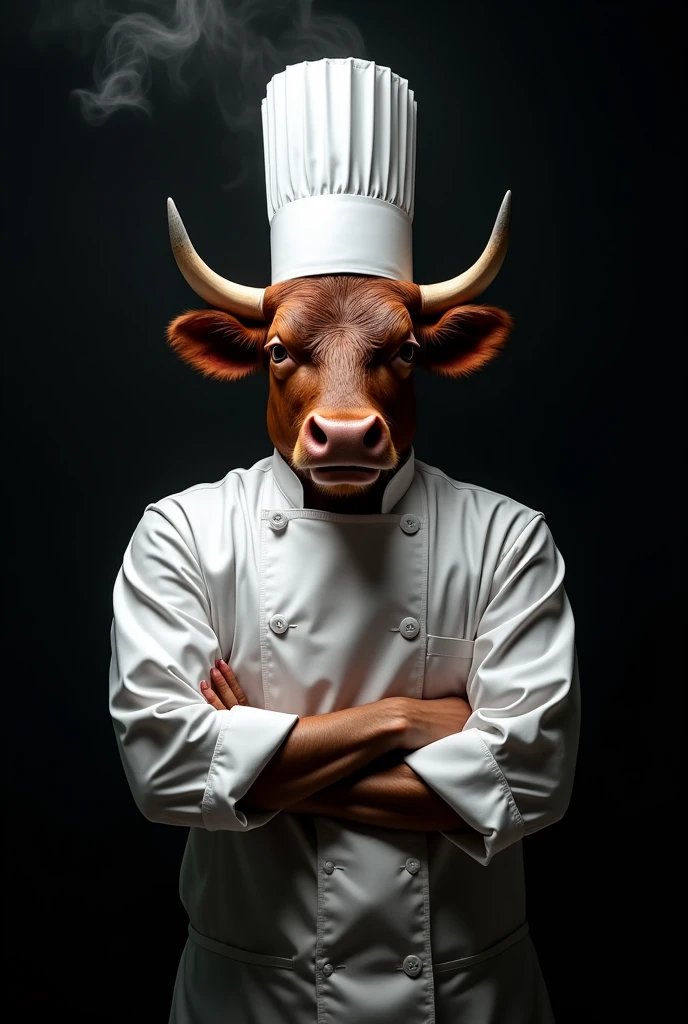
[(223, 690), (430, 720)]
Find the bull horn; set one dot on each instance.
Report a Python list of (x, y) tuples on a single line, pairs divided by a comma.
[(436, 298), (218, 291)]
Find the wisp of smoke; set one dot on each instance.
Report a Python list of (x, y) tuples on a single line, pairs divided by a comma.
[(235, 45)]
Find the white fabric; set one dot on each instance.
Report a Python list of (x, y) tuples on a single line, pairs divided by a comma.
[(497, 773), (341, 234), (202, 577), (341, 127), (184, 766)]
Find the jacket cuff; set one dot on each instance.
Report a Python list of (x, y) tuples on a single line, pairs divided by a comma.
[(462, 770), (247, 740)]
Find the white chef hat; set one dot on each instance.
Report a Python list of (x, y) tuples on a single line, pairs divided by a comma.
[(340, 146), (340, 160)]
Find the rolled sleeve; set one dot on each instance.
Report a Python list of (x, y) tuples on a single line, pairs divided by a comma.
[(247, 740), (186, 763), (510, 771)]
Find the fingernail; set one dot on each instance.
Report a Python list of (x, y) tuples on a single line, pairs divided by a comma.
[(204, 685), (223, 663)]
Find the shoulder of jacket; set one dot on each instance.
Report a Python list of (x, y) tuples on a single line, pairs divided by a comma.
[(499, 520), (202, 498), (482, 498)]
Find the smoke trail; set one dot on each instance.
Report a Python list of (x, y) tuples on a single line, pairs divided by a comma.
[(233, 46)]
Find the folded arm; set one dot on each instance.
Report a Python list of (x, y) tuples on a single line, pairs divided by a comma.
[(390, 796), (378, 790), (509, 772), (230, 766)]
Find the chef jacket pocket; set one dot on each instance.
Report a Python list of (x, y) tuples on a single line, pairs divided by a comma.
[(469, 961), (447, 664), (245, 956)]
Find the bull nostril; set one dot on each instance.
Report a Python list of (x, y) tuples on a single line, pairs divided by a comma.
[(317, 433), (373, 435)]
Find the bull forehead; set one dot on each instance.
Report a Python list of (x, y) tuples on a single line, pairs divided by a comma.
[(341, 318)]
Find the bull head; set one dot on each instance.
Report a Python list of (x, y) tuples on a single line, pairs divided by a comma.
[(340, 351)]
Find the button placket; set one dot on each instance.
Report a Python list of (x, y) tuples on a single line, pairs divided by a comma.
[(405, 902)]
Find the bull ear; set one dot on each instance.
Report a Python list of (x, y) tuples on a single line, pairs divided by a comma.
[(218, 344), (463, 339)]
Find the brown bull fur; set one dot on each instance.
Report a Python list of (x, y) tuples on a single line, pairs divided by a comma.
[(342, 334)]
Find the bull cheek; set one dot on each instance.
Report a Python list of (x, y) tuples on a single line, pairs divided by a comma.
[(284, 419)]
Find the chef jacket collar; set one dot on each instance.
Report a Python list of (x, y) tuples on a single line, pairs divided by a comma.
[(292, 488)]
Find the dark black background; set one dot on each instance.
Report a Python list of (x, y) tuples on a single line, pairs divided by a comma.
[(574, 106)]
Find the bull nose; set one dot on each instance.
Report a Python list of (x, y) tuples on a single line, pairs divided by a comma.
[(359, 442)]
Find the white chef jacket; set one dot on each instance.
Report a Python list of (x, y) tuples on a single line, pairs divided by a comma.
[(451, 590)]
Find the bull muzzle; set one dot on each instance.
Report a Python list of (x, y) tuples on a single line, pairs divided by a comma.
[(349, 451)]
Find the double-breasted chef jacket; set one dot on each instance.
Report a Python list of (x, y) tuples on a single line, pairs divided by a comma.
[(451, 590)]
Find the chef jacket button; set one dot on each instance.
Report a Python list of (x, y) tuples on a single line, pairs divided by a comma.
[(329, 867), (412, 865), (409, 523), (278, 521), (278, 624), (328, 969), (412, 965), (409, 627)]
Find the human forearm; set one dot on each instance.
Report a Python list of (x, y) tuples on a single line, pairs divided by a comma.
[(390, 796), (321, 750)]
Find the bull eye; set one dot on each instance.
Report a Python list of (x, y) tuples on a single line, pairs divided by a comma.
[(407, 352), (278, 353)]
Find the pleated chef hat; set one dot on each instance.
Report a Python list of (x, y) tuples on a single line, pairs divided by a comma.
[(340, 146)]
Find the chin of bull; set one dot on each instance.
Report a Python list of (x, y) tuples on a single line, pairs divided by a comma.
[(345, 477)]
